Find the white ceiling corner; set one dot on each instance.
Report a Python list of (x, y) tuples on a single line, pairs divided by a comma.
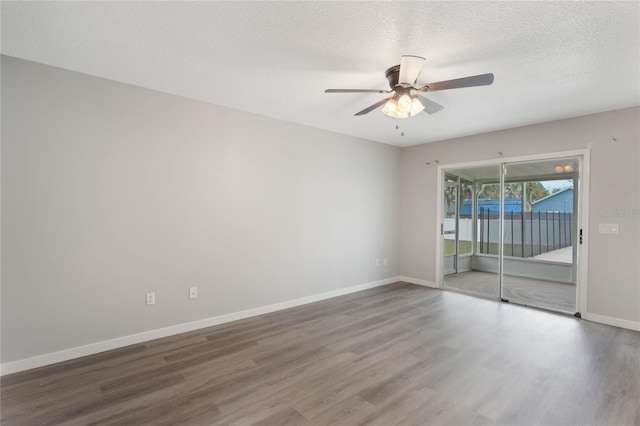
[(551, 60)]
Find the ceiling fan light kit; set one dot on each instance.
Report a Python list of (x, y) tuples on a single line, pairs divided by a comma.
[(402, 106), (401, 81)]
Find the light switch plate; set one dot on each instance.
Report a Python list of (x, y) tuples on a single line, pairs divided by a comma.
[(608, 228)]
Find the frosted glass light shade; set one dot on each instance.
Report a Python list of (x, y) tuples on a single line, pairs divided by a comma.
[(416, 106), (404, 103), (391, 109)]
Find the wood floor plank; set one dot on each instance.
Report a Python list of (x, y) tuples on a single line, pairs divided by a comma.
[(396, 354), (399, 410), (351, 384), (347, 411), (305, 374), (289, 417)]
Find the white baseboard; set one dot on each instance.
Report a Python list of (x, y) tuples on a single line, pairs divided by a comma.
[(418, 281), (617, 322), (119, 342)]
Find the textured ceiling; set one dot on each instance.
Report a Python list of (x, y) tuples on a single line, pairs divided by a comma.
[(551, 60)]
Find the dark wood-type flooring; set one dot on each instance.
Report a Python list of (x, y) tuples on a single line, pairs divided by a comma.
[(398, 354)]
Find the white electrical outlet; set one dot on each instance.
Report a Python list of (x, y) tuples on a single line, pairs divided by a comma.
[(386, 261), (193, 292), (377, 261), (151, 298)]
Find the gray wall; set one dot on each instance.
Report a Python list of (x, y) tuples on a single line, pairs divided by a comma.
[(614, 275), (110, 191)]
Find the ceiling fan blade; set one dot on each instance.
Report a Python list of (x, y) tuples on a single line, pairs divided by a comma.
[(372, 107), (476, 80), (430, 107), (410, 67), (356, 91)]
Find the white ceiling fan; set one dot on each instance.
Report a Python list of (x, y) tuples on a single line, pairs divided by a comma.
[(402, 79)]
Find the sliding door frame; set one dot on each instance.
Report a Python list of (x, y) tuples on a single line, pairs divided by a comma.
[(582, 216)]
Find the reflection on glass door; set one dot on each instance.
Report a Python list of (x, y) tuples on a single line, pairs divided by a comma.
[(472, 223), (450, 225), (539, 222)]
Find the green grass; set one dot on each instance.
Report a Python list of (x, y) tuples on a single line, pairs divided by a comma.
[(489, 248), (450, 247)]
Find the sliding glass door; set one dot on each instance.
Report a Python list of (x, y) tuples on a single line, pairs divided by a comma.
[(510, 232), (539, 222), (473, 248)]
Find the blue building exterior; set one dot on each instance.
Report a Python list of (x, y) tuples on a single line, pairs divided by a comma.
[(491, 206), (561, 201)]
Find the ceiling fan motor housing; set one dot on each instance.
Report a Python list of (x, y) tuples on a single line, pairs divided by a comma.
[(392, 75)]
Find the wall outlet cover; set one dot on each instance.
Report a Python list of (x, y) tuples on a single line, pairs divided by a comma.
[(608, 228), (151, 298), (193, 292)]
